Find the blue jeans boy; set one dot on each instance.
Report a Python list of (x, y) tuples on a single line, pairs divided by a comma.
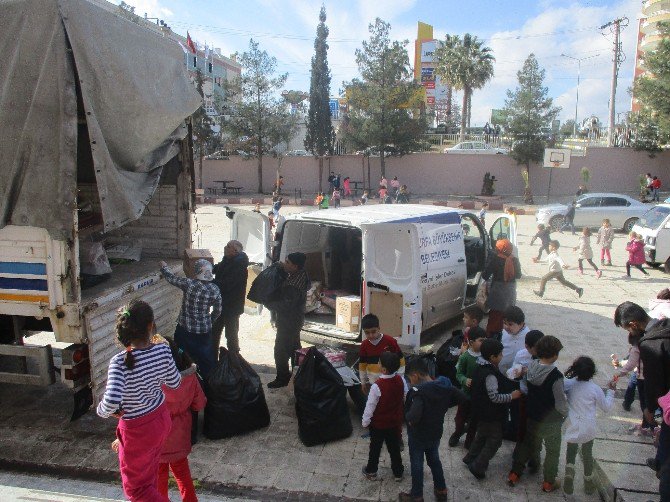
[(417, 450)]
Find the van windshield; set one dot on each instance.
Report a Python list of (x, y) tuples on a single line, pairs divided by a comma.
[(654, 217)]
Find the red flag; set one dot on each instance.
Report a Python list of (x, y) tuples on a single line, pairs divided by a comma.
[(189, 43)]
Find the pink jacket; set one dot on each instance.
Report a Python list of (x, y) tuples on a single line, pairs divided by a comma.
[(664, 403), (181, 401), (635, 250)]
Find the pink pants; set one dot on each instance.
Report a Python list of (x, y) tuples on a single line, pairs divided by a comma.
[(605, 253), (140, 443), (182, 474)]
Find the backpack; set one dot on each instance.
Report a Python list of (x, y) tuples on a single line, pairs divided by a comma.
[(447, 357)]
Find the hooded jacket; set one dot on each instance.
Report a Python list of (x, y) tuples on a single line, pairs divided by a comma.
[(635, 250), (655, 355), (425, 407), (230, 275), (546, 393), (181, 401)]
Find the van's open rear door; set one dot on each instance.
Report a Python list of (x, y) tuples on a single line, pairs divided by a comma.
[(252, 229), (390, 288), (504, 228)]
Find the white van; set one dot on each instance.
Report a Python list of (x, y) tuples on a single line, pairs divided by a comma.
[(654, 227), (415, 266)]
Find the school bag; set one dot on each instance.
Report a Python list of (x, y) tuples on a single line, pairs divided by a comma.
[(235, 398), (447, 357), (320, 401)]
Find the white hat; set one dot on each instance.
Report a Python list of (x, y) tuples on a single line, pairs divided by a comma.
[(203, 270)]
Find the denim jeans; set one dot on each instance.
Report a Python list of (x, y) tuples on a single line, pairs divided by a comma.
[(417, 450), (198, 346), (629, 397)]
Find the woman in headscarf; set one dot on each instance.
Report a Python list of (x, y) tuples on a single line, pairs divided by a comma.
[(503, 269)]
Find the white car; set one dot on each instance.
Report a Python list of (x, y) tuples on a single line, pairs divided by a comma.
[(475, 147), (590, 210), (298, 153)]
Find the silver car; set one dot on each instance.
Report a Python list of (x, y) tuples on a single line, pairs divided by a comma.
[(590, 210), (475, 147)]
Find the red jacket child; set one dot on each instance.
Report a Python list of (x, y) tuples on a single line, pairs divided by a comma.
[(635, 250), (181, 401)]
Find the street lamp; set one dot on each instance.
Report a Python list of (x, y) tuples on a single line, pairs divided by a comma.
[(579, 68)]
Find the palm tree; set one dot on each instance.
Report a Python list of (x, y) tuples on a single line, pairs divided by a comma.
[(465, 64)]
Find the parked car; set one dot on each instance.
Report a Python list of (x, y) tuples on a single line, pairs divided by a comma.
[(590, 210), (220, 155), (297, 153), (654, 227), (475, 147)]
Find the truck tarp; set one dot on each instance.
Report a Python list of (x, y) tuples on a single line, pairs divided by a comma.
[(136, 94)]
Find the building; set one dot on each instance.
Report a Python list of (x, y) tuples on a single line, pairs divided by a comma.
[(648, 35)]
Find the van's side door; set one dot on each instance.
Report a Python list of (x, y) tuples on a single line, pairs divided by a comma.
[(391, 289), (504, 227), (252, 229)]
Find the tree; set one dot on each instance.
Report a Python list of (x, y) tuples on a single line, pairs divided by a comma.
[(320, 137), (257, 113), (568, 128), (527, 110), (381, 102), (465, 64), (652, 92), (202, 126)]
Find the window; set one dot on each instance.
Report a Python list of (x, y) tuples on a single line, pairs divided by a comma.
[(209, 67), (589, 202), (195, 61), (466, 146), (393, 253), (615, 202)]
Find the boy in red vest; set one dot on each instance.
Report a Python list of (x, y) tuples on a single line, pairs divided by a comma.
[(384, 415)]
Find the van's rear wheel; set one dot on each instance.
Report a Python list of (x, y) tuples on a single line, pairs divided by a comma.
[(630, 223), (557, 222)]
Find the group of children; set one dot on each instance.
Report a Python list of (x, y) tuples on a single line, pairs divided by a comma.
[(510, 388)]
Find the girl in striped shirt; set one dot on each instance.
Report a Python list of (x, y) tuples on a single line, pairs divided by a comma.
[(134, 396)]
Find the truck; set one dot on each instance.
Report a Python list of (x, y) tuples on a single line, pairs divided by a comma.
[(95, 153), (413, 265)]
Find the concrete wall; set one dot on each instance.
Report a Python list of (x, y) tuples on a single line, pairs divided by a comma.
[(612, 170)]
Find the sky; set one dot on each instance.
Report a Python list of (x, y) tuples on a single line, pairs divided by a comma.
[(511, 28)]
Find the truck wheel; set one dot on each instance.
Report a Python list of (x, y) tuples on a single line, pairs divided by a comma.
[(557, 222), (630, 223)]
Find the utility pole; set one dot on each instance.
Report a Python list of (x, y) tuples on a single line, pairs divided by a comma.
[(615, 27)]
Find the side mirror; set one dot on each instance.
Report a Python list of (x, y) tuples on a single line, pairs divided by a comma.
[(667, 225), (577, 205)]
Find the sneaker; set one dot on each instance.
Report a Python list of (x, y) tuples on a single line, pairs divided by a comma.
[(626, 406), (398, 479), (589, 485), (625, 276), (599, 274), (277, 384), (568, 485), (370, 476), (538, 293), (651, 463), (602, 262), (476, 473), (609, 263), (454, 439), (548, 487), (513, 478), (580, 292), (407, 497), (441, 495)]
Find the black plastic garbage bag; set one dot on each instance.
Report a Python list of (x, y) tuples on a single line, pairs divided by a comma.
[(320, 401), (267, 282), (447, 357), (430, 360), (235, 399)]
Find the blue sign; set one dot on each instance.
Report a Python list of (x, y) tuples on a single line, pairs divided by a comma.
[(334, 107)]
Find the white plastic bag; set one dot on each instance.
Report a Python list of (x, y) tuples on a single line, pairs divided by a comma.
[(93, 259)]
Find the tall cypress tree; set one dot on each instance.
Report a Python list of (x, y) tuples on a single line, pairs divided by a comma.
[(320, 137)]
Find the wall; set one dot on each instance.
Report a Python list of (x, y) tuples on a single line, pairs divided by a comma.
[(612, 170)]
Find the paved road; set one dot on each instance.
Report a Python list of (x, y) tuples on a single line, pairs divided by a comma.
[(22, 487)]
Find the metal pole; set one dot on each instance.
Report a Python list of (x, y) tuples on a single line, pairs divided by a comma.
[(574, 126), (615, 69)]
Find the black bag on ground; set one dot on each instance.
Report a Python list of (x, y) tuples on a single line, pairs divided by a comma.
[(430, 360), (235, 399), (320, 401), (447, 357), (267, 282)]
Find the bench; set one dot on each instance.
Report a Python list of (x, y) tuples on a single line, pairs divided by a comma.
[(235, 190)]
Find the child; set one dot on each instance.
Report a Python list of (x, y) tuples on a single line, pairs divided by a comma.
[(465, 368), (547, 407), (605, 238), (512, 212), (318, 200), (194, 325), (335, 199), (635, 248), (584, 397), (402, 195), (384, 415), (555, 271), (513, 336), (382, 193), (346, 184), (427, 402), (364, 197), (490, 397), (181, 402), (395, 185), (569, 218), (451, 350), (482, 213), (544, 234), (134, 395), (585, 252)]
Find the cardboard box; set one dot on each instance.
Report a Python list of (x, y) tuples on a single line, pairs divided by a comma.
[(348, 313), (193, 255)]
